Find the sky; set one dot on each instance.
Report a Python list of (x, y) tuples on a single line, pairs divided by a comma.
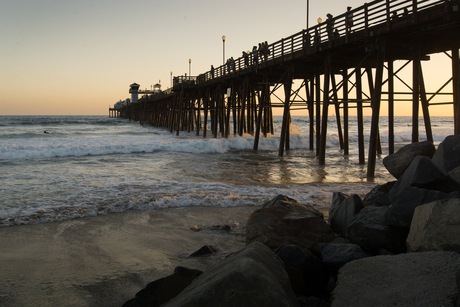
[(62, 57)]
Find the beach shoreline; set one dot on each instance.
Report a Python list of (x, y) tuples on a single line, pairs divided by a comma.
[(105, 260)]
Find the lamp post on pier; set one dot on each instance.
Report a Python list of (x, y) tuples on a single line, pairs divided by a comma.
[(308, 9), (189, 68), (223, 41), (171, 80)]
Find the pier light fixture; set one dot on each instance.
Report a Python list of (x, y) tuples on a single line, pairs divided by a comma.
[(189, 68), (223, 41), (319, 20), (171, 80), (308, 9)]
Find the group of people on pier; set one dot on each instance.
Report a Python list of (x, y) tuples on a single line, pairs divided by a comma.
[(263, 52)]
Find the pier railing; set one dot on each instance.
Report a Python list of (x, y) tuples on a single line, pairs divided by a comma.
[(360, 21)]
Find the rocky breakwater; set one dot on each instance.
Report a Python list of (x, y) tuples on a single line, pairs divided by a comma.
[(397, 246)]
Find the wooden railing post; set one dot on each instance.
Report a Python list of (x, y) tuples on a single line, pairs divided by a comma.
[(282, 49), (366, 19), (388, 15)]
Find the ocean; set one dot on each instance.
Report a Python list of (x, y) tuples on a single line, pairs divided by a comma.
[(92, 165)]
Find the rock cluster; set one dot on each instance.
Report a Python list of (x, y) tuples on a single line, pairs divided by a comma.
[(399, 245)]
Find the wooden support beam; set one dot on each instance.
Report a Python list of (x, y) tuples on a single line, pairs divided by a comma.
[(198, 113), (318, 111), (360, 117), (311, 111), (262, 104), (234, 111), (346, 143), (337, 111), (391, 115), (426, 112), (243, 96), (415, 94), (286, 113), (179, 115), (375, 112), (206, 106), (456, 88), (370, 80), (327, 73)]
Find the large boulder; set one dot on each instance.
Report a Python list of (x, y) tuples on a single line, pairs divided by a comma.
[(415, 279), (309, 276), (162, 290), (397, 163), (447, 157), (344, 213), (436, 227), (422, 173), (401, 212), (284, 220), (254, 276), (370, 230), (378, 196)]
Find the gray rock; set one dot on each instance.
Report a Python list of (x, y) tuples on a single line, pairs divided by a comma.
[(254, 276), (287, 222), (282, 200), (458, 286), (422, 173), (447, 157), (415, 279), (344, 214), (337, 255), (162, 290), (204, 250), (398, 162), (378, 196), (401, 212), (309, 276), (436, 227), (370, 230), (337, 199), (455, 174)]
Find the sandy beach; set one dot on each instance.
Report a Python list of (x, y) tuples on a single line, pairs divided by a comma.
[(105, 260)]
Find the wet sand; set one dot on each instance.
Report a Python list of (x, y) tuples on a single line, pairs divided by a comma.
[(105, 260)]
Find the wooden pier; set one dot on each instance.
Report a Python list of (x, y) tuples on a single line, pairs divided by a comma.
[(345, 62)]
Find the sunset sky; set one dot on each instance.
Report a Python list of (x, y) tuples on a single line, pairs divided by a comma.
[(61, 57)]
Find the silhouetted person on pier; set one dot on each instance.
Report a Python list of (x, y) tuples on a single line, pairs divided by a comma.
[(330, 26), (336, 34), (267, 51), (349, 18), (228, 65), (317, 39), (246, 58), (255, 56), (394, 16), (232, 64), (406, 12), (307, 39), (212, 71)]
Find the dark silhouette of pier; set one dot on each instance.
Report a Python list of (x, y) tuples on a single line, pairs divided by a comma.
[(336, 64)]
